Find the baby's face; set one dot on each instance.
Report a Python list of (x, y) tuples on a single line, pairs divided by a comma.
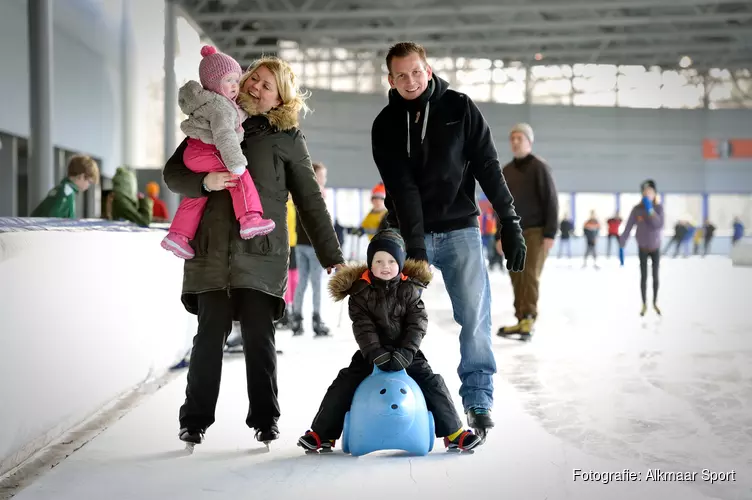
[(229, 85), (384, 266)]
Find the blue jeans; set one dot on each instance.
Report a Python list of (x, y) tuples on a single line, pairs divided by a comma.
[(459, 256), (309, 268)]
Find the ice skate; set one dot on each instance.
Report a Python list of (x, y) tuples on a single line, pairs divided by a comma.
[(191, 437), (509, 330), (252, 225), (313, 445), (296, 325), (178, 244), (319, 328), (479, 419), (465, 442), (643, 310), (267, 434), (655, 308)]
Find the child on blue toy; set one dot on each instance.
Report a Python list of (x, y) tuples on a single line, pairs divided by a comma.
[(389, 323)]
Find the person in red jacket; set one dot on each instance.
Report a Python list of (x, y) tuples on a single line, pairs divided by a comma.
[(614, 223), (160, 213)]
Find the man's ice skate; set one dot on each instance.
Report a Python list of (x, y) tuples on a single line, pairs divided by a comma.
[(253, 225), (465, 442), (523, 330), (313, 445), (479, 419), (191, 437), (267, 434), (319, 328)]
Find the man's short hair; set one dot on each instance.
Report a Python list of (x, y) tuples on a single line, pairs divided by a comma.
[(317, 165), (82, 164), (404, 49)]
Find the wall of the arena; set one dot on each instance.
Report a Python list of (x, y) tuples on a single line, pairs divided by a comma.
[(86, 84), (590, 149), (88, 315)]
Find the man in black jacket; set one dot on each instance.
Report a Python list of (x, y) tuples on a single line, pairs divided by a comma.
[(430, 145), (532, 184)]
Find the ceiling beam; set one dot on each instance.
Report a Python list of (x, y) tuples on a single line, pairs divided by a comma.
[(489, 51), (443, 28), (454, 11), (536, 41)]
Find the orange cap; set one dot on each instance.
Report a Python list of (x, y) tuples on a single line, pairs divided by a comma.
[(152, 189), (379, 191)]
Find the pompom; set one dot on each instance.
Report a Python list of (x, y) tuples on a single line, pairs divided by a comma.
[(207, 50)]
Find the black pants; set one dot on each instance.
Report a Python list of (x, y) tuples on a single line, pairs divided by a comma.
[(215, 313), (330, 419), (655, 256), (590, 251)]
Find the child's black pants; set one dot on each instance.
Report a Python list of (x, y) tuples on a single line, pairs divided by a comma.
[(330, 419)]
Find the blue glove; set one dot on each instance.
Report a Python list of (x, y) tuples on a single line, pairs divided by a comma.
[(621, 256), (648, 204)]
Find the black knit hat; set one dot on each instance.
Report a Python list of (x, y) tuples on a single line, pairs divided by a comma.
[(648, 183), (390, 241)]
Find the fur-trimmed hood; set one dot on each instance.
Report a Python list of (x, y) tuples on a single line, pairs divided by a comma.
[(283, 118), (344, 279)]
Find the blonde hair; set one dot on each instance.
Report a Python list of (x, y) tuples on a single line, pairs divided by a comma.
[(293, 99), (83, 165)]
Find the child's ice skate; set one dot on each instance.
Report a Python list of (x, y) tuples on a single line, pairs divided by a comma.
[(655, 308), (267, 434), (644, 309), (252, 225), (178, 244), (191, 437), (465, 442), (481, 422), (313, 445)]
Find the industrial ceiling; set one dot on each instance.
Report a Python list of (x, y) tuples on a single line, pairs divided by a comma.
[(711, 33)]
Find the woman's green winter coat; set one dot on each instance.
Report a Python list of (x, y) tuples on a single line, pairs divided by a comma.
[(278, 162)]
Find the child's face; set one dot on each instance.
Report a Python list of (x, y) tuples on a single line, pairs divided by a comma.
[(384, 266), (82, 182), (649, 192), (229, 85)]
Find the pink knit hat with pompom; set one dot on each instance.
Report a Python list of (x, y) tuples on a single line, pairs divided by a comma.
[(214, 66)]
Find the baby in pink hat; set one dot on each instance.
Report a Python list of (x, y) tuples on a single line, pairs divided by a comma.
[(215, 130)]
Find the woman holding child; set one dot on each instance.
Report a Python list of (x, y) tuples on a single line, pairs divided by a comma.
[(232, 277)]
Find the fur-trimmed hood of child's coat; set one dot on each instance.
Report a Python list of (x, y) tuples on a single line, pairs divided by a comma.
[(344, 279), (283, 118)]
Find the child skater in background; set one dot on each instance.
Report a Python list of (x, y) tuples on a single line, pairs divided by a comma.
[(648, 216), (215, 130), (389, 323)]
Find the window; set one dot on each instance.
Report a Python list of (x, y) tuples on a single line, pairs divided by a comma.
[(686, 207), (722, 208), (603, 204)]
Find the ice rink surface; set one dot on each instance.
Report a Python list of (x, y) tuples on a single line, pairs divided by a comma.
[(598, 389)]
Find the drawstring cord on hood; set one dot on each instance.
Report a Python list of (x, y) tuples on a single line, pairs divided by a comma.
[(423, 132)]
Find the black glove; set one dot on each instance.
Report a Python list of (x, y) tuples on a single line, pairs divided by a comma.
[(403, 356), (379, 357), (417, 254), (400, 359), (513, 246)]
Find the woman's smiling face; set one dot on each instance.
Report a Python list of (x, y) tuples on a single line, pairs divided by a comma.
[(261, 87)]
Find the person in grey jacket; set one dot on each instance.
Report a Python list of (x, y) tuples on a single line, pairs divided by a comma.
[(648, 217), (215, 129)]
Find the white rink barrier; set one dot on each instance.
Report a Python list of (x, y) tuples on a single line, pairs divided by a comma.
[(741, 253), (88, 316)]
